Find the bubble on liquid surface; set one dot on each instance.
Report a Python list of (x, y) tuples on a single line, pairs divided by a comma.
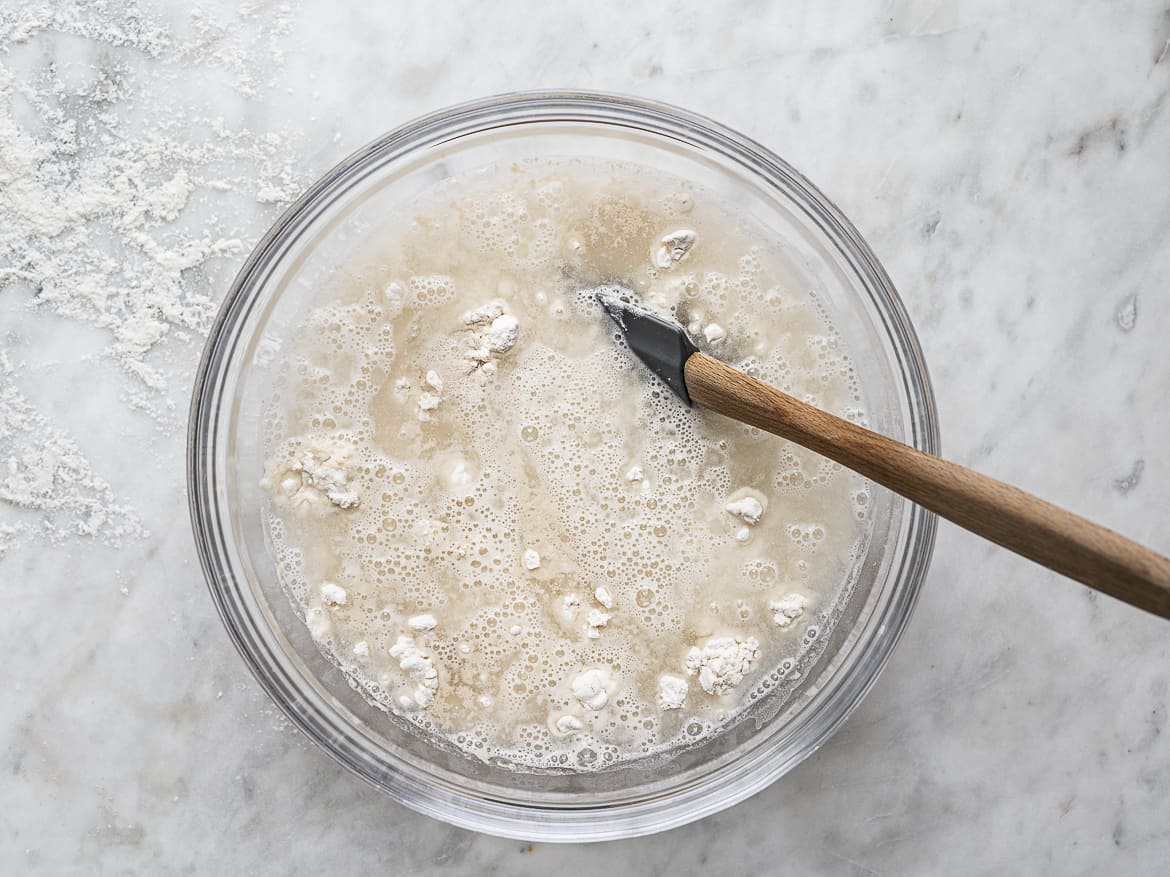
[(532, 449)]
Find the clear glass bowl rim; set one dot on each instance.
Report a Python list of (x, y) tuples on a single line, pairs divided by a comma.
[(225, 572)]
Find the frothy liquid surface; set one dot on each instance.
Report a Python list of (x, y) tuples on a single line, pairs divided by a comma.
[(498, 524)]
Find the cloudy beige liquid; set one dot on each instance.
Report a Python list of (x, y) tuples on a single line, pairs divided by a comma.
[(419, 498)]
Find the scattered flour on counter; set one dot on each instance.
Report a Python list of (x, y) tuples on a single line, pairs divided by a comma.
[(48, 482), (97, 225), (128, 226)]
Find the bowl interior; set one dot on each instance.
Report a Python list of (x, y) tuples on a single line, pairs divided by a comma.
[(319, 239)]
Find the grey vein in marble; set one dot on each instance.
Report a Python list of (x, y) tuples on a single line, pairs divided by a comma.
[(1007, 162)]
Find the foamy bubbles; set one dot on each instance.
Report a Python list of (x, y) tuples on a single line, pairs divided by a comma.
[(543, 556)]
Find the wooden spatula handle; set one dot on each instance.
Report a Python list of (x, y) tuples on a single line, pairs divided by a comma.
[(1025, 524)]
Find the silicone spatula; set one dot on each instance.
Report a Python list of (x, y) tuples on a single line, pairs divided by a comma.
[(1029, 526)]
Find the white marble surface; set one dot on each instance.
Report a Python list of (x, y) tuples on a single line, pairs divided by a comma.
[(1009, 164)]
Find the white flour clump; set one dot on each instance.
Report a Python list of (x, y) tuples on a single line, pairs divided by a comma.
[(672, 692), (502, 333), (493, 333), (749, 508), (788, 609), (418, 666), (673, 247), (748, 505), (427, 403), (592, 688), (722, 662), (319, 475), (597, 620), (567, 724)]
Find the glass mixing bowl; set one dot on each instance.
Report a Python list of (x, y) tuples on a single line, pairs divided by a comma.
[(318, 236)]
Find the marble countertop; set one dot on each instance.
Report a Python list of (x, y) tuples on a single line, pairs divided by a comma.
[(1006, 161)]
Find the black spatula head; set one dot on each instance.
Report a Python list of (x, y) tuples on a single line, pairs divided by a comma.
[(661, 344)]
